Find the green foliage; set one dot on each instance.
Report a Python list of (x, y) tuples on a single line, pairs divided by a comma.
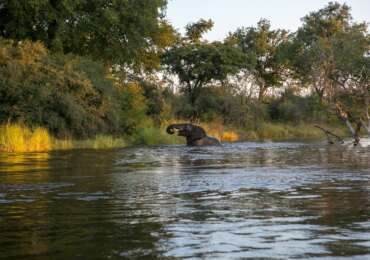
[(207, 106), (115, 31), (312, 53), (69, 95), (194, 31), (154, 135), (291, 107), (133, 108), (198, 64), (261, 47)]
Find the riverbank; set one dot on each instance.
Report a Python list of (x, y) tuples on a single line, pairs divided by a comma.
[(18, 138)]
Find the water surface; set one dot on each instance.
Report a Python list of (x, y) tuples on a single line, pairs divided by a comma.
[(245, 200)]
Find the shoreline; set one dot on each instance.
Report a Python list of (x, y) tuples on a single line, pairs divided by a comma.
[(16, 138)]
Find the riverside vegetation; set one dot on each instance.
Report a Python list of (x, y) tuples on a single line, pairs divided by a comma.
[(69, 79)]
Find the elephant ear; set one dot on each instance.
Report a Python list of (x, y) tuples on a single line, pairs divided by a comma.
[(197, 133)]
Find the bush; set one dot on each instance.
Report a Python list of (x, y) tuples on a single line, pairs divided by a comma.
[(295, 108), (68, 95)]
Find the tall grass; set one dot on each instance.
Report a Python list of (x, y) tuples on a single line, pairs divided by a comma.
[(19, 138), (100, 142), (278, 131), (155, 136)]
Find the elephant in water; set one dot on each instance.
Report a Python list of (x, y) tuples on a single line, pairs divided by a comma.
[(195, 135)]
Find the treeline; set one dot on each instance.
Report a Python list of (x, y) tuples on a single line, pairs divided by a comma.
[(82, 68)]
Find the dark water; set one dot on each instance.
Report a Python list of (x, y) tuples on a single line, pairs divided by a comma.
[(246, 200)]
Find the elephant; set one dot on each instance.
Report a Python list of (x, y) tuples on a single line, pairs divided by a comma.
[(195, 135)]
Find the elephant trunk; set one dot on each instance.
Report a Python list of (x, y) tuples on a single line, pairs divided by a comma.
[(170, 129)]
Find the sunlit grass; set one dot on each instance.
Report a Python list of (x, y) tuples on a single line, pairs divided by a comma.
[(18, 138)]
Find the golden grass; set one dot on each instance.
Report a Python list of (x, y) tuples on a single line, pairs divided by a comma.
[(19, 138)]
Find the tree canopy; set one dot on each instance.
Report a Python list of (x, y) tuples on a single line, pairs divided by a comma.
[(198, 63), (114, 31), (261, 45)]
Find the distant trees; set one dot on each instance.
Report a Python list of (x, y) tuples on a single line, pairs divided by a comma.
[(330, 53), (198, 63), (261, 48)]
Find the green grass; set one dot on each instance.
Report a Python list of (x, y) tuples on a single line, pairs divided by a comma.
[(155, 136), (279, 131)]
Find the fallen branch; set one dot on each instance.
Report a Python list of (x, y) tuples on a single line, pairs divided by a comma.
[(330, 135)]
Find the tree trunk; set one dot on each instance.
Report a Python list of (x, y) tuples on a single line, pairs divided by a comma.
[(262, 91), (332, 138), (366, 123), (343, 115)]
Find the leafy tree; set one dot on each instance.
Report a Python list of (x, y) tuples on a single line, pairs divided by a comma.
[(194, 31), (198, 64), (261, 46), (329, 54), (69, 95), (311, 50), (115, 31), (351, 75)]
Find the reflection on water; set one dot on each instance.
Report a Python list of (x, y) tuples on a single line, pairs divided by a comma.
[(244, 200)]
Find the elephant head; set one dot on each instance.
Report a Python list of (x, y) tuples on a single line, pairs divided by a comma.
[(191, 132)]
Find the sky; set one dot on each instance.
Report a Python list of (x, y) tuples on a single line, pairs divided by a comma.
[(228, 15)]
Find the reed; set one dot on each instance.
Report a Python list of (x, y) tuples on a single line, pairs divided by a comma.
[(19, 138), (99, 142)]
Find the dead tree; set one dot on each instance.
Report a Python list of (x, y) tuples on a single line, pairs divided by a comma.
[(344, 116), (332, 138)]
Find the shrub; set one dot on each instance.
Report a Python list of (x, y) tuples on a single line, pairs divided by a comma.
[(68, 95)]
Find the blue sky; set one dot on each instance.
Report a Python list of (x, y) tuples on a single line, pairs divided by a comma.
[(231, 14)]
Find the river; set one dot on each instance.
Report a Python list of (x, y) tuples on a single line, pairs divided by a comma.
[(244, 200)]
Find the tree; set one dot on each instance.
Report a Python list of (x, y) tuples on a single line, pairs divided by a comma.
[(328, 53), (198, 63), (352, 76), (261, 45), (194, 31), (311, 49), (115, 31)]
